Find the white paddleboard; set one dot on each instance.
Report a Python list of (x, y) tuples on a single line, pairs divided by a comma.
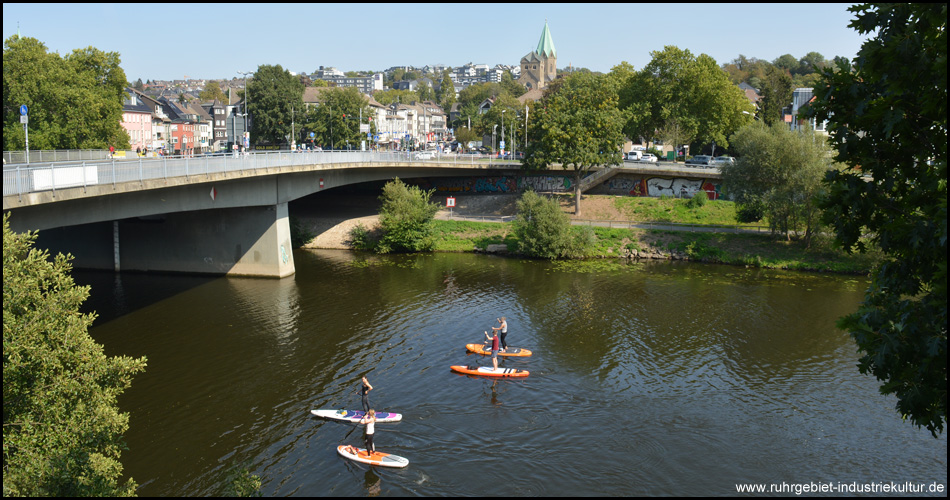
[(376, 458), (354, 416)]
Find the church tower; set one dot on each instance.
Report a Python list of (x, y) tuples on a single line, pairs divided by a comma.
[(539, 67)]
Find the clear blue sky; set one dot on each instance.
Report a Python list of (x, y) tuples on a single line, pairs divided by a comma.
[(169, 41)]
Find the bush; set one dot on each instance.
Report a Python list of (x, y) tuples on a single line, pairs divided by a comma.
[(405, 218), (544, 231), (698, 200)]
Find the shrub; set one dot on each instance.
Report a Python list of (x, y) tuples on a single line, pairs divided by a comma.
[(405, 218), (544, 231), (698, 200)]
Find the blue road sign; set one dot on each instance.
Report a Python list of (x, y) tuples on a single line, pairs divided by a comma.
[(23, 109)]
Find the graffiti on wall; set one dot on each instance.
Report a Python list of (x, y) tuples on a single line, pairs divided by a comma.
[(658, 186), (557, 183), (498, 184)]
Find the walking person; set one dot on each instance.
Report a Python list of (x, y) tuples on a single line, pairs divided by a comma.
[(370, 421), (504, 332), (494, 348), (364, 393)]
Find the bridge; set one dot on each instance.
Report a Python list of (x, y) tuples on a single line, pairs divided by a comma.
[(220, 214)]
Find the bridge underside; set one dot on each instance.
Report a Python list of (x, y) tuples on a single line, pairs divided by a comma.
[(241, 241)]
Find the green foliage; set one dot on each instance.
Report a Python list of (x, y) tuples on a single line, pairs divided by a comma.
[(299, 235), (213, 91), (335, 122), (241, 483), (779, 170), (275, 101), (577, 125), (680, 98), (545, 232), (62, 430), (405, 218), (776, 90), (698, 200), (888, 121), (75, 101)]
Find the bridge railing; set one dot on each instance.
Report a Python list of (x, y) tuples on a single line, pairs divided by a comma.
[(34, 177)]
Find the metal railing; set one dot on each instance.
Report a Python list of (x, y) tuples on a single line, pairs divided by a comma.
[(49, 176), (46, 156)]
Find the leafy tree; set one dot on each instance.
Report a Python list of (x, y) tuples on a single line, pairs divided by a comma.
[(811, 63), (62, 430), (511, 86), (545, 232), (786, 62), (276, 99), (888, 121), (387, 97), (75, 102), (685, 97), (776, 94), (780, 171), (335, 122), (213, 91), (405, 218), (138, 85), (576, 125), (446, 94)]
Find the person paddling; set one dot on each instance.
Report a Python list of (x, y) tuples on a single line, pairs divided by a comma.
[(494, 348), (364, 393), (370, 421), (504, 332)]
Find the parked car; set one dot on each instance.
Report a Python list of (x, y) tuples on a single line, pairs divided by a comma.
[(424, 155), (701, 160), (634, 156), (650, 157), (724, 160)]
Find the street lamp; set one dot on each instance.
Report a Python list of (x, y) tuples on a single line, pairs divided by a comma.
[(493, 127), (247, 96), (503, 131)]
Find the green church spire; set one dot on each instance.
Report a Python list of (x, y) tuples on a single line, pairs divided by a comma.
[(546, 45)]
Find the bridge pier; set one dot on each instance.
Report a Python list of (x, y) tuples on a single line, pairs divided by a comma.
[(241, 241)]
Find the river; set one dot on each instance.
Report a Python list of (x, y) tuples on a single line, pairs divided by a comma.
[(660, 378)]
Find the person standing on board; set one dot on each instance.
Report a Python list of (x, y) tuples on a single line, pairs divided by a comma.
[(364, 393), (504, 332), (494, 348), (370, 421)]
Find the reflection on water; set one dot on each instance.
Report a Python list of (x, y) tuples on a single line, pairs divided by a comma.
[(648, 379)]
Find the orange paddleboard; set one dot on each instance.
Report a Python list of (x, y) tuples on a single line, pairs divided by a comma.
[(376, 458), (515, 352), (488, 371)]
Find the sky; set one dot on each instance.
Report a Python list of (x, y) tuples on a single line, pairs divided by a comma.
[(216, 41)]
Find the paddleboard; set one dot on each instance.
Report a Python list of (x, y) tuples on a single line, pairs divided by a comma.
[(487, 371), (354, 416), (376, 458), (516, 352)]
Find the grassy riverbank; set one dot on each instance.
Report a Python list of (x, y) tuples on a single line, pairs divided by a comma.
[(756, 250)]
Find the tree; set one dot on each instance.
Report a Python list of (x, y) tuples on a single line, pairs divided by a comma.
[(276, 99), (776, 94), (786, 62), (887, 119), (335, 122), (576, 125), (62, 429), (779, 171), (75, 102), (213, 91), (405, 218), (685, 97), (446, 94), (545, 232)]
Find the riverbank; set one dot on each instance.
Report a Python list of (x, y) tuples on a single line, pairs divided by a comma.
[(480, 223)]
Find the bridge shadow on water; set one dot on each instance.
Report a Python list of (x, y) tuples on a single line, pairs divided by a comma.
[(113, 295)]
